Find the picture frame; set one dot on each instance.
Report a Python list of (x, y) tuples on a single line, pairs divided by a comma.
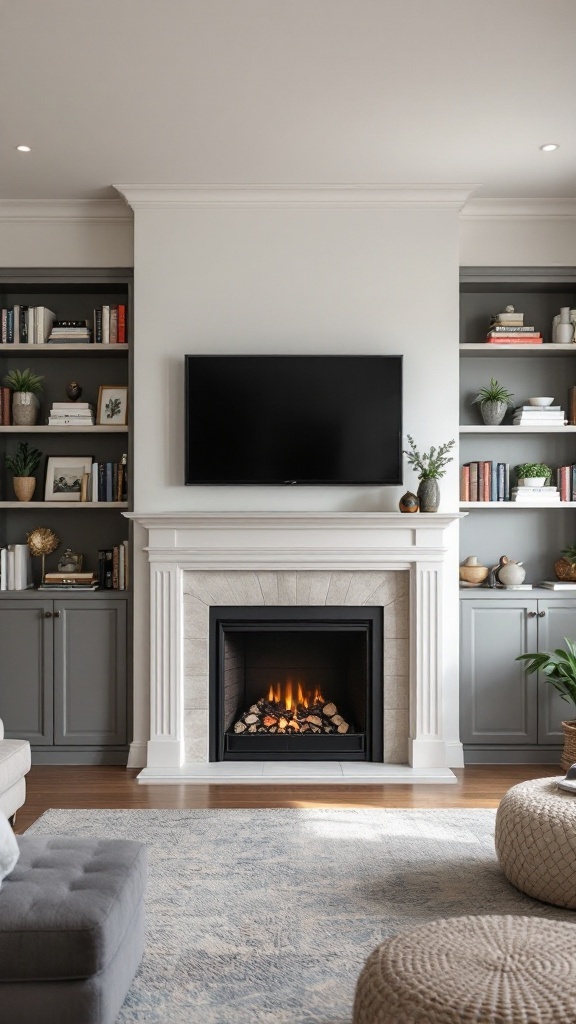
[(64, 476), (112, 408)]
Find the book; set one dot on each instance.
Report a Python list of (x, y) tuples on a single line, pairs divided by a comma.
[(106, 325), (65, 421), (473, 481), (517, 586), (113, 325), (121, 324), (506, 317), (504, 333), (486, 480), (3, 569), (43, 320), (501, 481), (71, 577), (539, 409), (72, 405), (68, 586), (556, 585), (508, 339), (465, 483), (506, 329), (98, 326)]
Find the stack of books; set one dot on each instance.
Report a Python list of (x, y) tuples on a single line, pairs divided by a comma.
[(535, 495), (71, 414), (556, 585), (539, 416), (110, 325), (508, 328), (69, 581), (69, 332), (113, 568), (15, 567)]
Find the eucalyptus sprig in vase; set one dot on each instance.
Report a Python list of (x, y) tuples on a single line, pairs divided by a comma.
[(430, 466)]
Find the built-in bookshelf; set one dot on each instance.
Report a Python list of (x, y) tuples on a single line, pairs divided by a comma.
[(534, 534)]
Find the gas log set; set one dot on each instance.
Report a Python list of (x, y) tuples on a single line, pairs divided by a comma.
[(286, 712)]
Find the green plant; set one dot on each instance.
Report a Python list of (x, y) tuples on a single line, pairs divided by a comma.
[(529, 470), (24, 461), (24, 380), (495, 392), (558, 668), (569, 554), (430, 464)]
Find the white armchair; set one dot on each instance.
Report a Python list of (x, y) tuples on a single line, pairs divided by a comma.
[(14, 765)]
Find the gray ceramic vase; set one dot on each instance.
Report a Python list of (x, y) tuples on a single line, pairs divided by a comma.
[(493, 413), (429, 494), (25, 408)]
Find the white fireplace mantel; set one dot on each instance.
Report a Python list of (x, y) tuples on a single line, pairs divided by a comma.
[(423, 543)]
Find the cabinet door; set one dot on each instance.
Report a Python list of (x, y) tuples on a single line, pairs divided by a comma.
[(90, 672), (557, 622), (498, 701), (26, 670)]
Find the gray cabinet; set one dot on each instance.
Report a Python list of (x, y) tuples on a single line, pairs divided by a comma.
[(63, 683), (506, 715)]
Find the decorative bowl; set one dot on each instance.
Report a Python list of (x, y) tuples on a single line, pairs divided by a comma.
[(540, 401), (474, 574)]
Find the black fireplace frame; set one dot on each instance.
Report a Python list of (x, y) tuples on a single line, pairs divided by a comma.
[(368, 746)]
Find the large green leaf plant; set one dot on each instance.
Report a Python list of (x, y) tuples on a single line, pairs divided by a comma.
[(558, 668)]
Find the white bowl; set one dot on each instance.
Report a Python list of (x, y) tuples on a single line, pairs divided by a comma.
[(540, 401)]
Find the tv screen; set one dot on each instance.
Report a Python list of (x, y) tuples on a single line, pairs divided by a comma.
[(294, 420)]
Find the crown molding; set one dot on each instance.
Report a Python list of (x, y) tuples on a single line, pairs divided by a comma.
[(57, 211), (452, 196), (525, 209)]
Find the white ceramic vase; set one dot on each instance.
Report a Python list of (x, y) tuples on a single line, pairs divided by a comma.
[(563, 327)]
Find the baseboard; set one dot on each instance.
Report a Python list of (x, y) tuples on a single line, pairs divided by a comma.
[(55, 756), (137, 754), (515, 755)]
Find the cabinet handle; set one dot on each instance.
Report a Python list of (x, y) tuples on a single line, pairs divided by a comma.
[(541, 615), (531, 615), (57, 615), (47, 615)]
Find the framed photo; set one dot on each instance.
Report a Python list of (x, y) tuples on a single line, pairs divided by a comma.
[(64, 476), (112, 406)]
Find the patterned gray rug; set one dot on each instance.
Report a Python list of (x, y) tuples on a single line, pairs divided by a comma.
[(266, 917)]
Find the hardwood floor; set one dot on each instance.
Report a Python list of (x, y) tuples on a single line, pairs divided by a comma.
[(116, 787)]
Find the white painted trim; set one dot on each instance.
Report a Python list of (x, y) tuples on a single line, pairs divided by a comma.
[(329, 195), (454, 755), (294, 520), (524, 209), (54, 211), (296, 773), (137, 754)]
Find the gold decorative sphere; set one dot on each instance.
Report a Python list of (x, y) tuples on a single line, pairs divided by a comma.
[(42, 541)]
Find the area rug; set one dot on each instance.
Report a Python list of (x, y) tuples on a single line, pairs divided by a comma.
[(266, 916)]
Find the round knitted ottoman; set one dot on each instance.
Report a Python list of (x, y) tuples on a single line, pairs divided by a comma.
[(536, 841), (472, 970)]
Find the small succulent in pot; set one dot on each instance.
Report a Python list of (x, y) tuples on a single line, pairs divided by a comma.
[(565, 567), (494, 402), (533, 474)]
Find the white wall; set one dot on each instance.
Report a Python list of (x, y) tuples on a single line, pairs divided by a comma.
[(518, 233), (81, 234)]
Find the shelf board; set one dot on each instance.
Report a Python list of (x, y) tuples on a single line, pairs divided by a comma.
[(99, 429), (91, 349), (547, 348), (547, 429), (101, 505), (493, 506)]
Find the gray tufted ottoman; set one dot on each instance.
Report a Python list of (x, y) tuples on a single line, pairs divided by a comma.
[(466, 970), (535, 841), (71, 930)]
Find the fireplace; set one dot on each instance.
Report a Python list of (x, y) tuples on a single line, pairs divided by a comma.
[(296, 683)]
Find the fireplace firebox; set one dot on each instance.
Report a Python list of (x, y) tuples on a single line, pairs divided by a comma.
[(296, 683)]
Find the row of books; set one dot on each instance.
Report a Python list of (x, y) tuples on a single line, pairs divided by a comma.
[(508, 328), (113, 567), (15, 567), (38, 325), (107, 481), (490, 481)]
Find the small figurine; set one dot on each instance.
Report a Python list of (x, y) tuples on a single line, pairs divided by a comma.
[(73, 390), (409, 502), (70, 561)]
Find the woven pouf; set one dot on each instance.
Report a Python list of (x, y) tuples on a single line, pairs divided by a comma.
[(536, 841), (466, 970)]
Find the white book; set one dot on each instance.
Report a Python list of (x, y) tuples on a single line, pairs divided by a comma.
[(72, 405), (70, 423), (556, 585), (94, 482), (121, 567), (22, 567), (16, 322), (3, 569), (10, 574), (43, 324), (125, 545), (105, 325), (31, 324)]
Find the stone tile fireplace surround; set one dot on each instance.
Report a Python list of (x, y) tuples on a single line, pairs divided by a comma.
[(198, 560)]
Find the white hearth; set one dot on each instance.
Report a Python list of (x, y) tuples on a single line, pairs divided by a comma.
[(398, 561)]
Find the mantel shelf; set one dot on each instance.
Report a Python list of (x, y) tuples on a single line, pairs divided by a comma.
[(75, 506), (50, 350), (547, 429), (546, 349)]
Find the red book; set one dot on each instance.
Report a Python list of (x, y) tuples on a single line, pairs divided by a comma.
[(465, 483), (514, 335), (508, 339), (121, 324), (564, 474), (486, 480), (6, 407)]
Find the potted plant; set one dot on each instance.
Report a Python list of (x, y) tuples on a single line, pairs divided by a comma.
[(23, 464), (494, 401), (25, 386), (559, 669), (565, 567), (430, 466), (533, 474)]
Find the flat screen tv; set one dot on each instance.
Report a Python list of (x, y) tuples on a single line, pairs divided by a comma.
[(294, 419)]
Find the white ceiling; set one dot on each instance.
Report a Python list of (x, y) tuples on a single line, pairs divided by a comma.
[(287, 92)]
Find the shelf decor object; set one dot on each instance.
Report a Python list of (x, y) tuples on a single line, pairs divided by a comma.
[(23, 464), (25, 387), (494, 400), (42, 542), (565, 567), (430, 466), (559, 669), (112, 405), (64, 475), (563, 327)]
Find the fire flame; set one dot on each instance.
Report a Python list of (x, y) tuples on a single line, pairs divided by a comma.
[(284, 694)]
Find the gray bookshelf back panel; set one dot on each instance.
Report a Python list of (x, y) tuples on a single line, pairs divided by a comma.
[(539, 308), (532, 536)]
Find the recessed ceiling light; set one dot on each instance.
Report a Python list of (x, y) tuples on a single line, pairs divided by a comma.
[(550, 146), (23, 149)]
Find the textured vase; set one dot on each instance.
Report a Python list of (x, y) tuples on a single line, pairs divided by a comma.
[(408, 502), (493, 413), (24, 487), (25, 408), (565, 570), (429, 494)]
